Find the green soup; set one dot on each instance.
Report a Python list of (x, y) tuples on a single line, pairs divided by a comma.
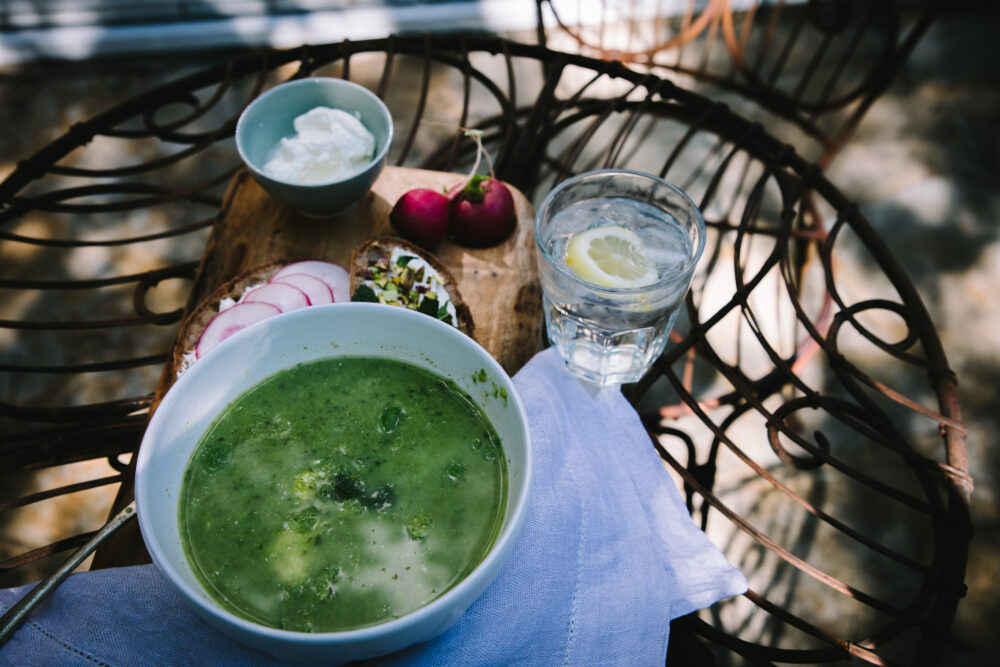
[(342, 493)]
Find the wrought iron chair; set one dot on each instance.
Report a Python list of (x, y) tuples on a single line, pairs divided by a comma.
[(818, 65), (785, 406)]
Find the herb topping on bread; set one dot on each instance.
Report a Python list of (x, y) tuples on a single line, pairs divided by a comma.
[(399, 273)]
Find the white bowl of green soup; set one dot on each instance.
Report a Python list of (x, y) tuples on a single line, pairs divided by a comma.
[(335, 483)]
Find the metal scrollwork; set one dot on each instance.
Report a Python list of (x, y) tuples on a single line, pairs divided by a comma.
[(759, 406)]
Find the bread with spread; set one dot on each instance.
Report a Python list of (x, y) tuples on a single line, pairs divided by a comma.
[(399, 273), (388, 270), (256, 294)]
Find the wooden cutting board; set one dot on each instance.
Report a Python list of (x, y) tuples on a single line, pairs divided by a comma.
[(499, 284)]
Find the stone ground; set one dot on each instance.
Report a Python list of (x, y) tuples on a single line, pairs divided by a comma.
[(922, 166)]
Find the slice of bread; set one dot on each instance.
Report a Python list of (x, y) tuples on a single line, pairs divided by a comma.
[(382, 262), (363, 256), (199, 317)]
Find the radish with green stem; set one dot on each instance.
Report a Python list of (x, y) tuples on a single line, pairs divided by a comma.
[(479, 212), (482, 209)]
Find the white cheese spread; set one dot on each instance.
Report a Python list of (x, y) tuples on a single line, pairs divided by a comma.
[(402, 278), (329, 144), (432, 280)]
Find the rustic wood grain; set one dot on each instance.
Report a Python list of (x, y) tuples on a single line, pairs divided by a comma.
[(500, 284)]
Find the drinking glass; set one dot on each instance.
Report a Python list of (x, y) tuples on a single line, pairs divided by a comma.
[(610, 331)]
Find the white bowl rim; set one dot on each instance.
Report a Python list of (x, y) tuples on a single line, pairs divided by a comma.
[(324, 80), (505, 538)]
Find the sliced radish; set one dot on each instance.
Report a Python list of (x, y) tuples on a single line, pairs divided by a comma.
[(284, 297), (334, 275), (316, 290), (229, 321)]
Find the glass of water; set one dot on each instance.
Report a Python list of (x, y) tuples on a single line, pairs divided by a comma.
[(616, 252)]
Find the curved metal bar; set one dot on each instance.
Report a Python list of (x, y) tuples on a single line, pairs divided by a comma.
[(129, 240), (92, 367), (18, 614), (94, 432), (59, 491), (175, 271)]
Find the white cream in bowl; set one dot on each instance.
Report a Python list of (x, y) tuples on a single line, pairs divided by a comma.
[(329, 144)]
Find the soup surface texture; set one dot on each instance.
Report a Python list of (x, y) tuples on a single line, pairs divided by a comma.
[(342, 493)]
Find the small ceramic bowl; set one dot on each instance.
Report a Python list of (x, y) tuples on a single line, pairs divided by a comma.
[(269, 119), (256, 353)]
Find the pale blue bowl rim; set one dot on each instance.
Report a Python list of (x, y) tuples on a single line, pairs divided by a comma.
[(280, 89)]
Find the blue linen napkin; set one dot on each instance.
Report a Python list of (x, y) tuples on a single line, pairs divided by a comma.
[(607, 557)]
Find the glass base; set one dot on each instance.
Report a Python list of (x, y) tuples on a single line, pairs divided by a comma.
[(605, 361), (601, 367)]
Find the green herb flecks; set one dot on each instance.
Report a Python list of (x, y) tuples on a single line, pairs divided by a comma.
[(305, 520), (429, 307), (419, 525), (364, 293), (390, 418)]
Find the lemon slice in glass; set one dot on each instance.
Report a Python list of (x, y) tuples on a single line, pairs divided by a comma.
[(610, 256)]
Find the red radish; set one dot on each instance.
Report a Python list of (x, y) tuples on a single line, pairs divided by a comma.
[(421, 216), (334, 275), (231, 320), (284, 297), (482, 213), (317, 291), (482, 209)]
